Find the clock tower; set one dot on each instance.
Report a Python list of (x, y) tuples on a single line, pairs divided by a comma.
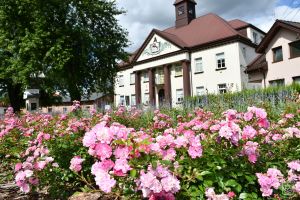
[(185, 12)]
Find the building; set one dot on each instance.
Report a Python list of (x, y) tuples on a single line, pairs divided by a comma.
[(197, 56), (95, 101), (279, 62)]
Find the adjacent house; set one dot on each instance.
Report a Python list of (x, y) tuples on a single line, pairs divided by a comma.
[(200, 55), (279, 59)]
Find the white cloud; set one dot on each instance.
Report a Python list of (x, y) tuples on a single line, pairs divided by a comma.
[(144, 15)]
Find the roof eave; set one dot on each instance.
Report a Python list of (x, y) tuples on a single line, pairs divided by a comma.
[(272, 32)]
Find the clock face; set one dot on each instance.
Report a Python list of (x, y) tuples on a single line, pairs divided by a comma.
[(191, 11), (181, 10)]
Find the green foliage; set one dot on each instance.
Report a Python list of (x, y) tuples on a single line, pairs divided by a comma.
[(274, 99), (75, 44)]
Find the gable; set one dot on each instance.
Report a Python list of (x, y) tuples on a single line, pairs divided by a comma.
[(157, 46), (282, 38)]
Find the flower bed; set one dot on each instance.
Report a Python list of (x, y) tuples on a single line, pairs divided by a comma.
[(131, 155)]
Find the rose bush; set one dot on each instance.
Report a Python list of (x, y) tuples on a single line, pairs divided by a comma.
[(130, 154)]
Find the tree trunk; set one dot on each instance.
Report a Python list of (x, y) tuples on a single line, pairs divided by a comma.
[(75, 94), (15, 96)]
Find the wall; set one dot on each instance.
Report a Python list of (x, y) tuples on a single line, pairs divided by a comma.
[(127, 89), (210, 78), (233, 75), (163, 47), (246, 57), (288, 68), (64, 109), (250, 32)]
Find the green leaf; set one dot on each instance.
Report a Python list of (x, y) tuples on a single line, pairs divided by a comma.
[(231, 183), (133, 173), (205, 173)]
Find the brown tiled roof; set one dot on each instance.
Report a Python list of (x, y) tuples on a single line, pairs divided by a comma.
[(179, 1), (259, 63), (293, 26), (237, 24), (203, 30)]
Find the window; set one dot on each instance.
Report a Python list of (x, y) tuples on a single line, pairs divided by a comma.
[(277, 54), (146, 77), (121, 81), (181, 10), (222, 88), (178, 70), (278, 82), (146, 98), (127, 100), (133, 100), (49, 110), (200, 91), (122, 100), (33, 106), (198, 65), (179, 96), (255, 38), (296, 79), (221, 61), (132, 79), (160, 77), (295, 49), (65, 110), (244, 50)]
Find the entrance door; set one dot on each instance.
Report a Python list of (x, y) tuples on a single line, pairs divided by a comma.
[(161, 97)]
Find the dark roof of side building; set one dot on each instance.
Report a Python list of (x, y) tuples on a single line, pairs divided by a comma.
[(259, 63), (293, 26)]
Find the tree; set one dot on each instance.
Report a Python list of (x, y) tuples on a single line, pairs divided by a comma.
[(75, 43)]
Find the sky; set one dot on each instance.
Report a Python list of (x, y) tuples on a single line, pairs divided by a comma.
[(144, 15)]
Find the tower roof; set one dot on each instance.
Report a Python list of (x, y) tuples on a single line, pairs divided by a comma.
[(179, 1)]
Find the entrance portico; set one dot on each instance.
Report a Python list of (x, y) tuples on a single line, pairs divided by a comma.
[(159, 85)]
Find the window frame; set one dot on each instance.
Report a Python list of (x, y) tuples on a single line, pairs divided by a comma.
[(121, 83), (146, 102), (120, 102), (292, 55), (177, 74), (222, 60), (132, 79), (220, 89), (274, 55), (202, 70), (255, 37), (65, 110), (180, 10), (198, 88), (179, 97), (271, 82), (133, 102), (145, 77)]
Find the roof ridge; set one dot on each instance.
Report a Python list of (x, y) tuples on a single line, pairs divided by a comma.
[(210, 13), (174, 36)]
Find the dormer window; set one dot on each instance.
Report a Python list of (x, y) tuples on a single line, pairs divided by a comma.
[(181, 10)]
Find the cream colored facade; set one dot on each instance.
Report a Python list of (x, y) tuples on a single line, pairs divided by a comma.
[(288, 69), (237, 56)]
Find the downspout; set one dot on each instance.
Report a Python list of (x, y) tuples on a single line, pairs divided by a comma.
[(191, 75), (264, 75)]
